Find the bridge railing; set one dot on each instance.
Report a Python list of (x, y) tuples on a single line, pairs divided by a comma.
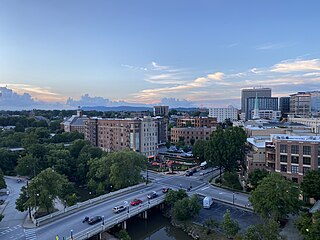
[(81, 205), (116, 219)]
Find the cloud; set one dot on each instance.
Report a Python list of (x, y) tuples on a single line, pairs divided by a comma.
[(297, 65), (134, 67), (39, 93), (216, 76)]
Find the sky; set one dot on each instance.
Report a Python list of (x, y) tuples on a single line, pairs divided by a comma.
[(202, 51)]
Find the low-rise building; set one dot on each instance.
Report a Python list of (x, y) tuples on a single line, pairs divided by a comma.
[(75, 123), (191, 134), (313, 123), (256, 157), (196, 122)]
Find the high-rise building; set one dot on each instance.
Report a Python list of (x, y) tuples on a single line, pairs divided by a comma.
[(138, 134), (284, 105), (300, 104), (162, 111), (224, 113), (252, 93), (264, 103)]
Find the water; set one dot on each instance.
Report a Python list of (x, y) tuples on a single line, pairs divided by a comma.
[(156, 227)]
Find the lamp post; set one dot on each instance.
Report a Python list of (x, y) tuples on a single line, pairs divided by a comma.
[(102, 220), (71, 234)]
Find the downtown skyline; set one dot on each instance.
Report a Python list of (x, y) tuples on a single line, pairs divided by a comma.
[(143, 51)]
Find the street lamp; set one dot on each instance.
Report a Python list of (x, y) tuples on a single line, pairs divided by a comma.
[(102, 220), (71, 234)]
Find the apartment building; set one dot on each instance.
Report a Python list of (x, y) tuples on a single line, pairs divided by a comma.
[(293, 156), (224, 113), (197, 122), (191, 134), (138, 134)]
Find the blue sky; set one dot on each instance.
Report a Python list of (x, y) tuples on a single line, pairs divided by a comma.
[(143, 51)]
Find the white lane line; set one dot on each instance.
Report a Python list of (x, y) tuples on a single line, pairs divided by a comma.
[(204, 188)]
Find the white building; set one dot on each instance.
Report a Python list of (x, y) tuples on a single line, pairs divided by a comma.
[(313, 123), (224, 113), (268, 114), (149, 136)]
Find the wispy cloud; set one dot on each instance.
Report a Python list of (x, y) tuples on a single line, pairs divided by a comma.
[(273, 46), (134, 67), (297, 65)]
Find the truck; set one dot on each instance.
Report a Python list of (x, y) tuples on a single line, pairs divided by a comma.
[(207, 202), (203, 165)]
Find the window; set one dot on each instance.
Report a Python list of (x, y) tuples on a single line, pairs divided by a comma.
[(283, 158), (294, 149), (306, 160), (283, 148), (294, 169), (306, 150), (283, 168), (295, 159), (305, 170)]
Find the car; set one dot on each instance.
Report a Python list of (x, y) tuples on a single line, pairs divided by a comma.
[(189, 173), (194, 170), (119, 209), (165, 190), (152, 195), (94, 220), (135, 202), (1, 201)]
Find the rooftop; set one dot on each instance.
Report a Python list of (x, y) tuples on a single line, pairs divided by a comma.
[(296, 138)]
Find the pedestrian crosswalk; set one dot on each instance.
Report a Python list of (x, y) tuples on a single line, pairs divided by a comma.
[(30, 234), (9, 229)]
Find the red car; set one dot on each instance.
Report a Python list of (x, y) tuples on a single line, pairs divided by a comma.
[(135, 202)]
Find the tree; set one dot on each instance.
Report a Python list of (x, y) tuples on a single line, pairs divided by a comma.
[(2, 181), (256, 176), (275, 197), (309, 225), (186, 208), (266, 231), (310, 185), (173, 196), (229, 226), (28, 165), (226, 148), (198, 149), (42, 191)]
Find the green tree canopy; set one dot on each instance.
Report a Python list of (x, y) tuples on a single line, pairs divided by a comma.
[(173, 196), (266, 231), (198, 149), (229, 226), (309, 225), (275, 197), (256, 176), (186, 208), (2, 181), (310, 185)]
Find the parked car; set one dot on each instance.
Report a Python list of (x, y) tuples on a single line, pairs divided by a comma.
[(152, 195), (207, 202), (188, 173), (94, 220), (86, 219), (136, 202), (119, 209), (165, 190)]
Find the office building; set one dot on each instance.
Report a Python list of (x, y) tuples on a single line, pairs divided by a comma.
[(162, 111), (264, 103), (252, 93), (284, 105), (224, 113), (300, 104), (196, 122)]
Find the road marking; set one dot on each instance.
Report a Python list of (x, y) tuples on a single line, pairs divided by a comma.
[(30, 234), (204, 188), (9, 230)]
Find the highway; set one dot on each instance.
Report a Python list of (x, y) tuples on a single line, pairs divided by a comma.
[(65, 224)]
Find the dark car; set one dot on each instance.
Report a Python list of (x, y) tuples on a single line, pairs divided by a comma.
[(165, 190), (189, 173), (94, 220), (136, 202), (152, 195)]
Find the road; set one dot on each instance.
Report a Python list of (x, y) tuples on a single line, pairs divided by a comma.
[(73, 222), (11, 224)]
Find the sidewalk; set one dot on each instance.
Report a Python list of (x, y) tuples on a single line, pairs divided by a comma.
[(290, 231)]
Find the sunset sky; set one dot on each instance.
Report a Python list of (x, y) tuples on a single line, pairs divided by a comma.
[(203, 51)]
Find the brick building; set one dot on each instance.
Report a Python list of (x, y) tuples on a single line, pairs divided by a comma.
[(188, 133), (197, 122)]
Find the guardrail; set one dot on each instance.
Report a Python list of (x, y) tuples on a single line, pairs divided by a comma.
[(79, 206), (112, 221)]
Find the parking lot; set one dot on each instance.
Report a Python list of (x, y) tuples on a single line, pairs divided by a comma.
[(217, 210)]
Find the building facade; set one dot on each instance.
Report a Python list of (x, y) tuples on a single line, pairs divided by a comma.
[(162, 111), (75, 123), (252, 93), (268, 114), (256, 157), (293, 156), (221, 114), (196, 122), (284, 105), (138, 134), (300, 104), (191, 134), (264, 103), (313, 123)]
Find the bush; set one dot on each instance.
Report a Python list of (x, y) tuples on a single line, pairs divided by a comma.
[(231, 179)]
